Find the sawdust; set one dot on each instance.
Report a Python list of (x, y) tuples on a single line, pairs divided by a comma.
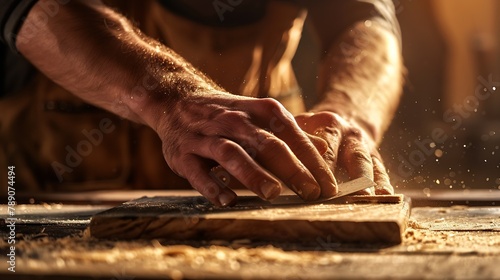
[(436, 251), (68, 253), (82, 254), (480, 242), (414, 224), (84, 250)]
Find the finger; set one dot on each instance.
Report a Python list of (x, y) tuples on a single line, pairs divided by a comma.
[(331, 133), (196, 171), (332, 137), (356, 159), (239, 164), (320, 144), (224, 178), (275, 156), (284, 126), (381, 178), (303, 120), (268, 150), (367, 191), (313, 161)]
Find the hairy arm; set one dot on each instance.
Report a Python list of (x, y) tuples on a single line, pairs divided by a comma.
[(361, 77), (360, 81), (99, 56)]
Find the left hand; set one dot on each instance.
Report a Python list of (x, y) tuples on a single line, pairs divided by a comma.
[(349, 147)]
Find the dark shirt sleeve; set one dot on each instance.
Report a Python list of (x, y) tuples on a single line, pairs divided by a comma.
[(12, 15), (386, 12), (339, 15), (381, 10)]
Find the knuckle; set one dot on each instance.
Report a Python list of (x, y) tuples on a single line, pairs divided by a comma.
[(250, 148), (330, 156), (234, 116), (235, 167), (229, 122), (302, 147), (278, 117), (291, 178), (223, 149), (329, 118), (274, 107), (216, 112), (273, 144), (354, 133), (271, 104), (361, 156), (333, 131), (228, 117), (200, 183), (250, 177)]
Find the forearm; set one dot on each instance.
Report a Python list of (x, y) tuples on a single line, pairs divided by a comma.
[(361, 76), (99, 56)]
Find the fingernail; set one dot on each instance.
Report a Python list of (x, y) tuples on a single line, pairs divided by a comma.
[(384, 191), (364, 192), (270, 190), (226, 199), (331, 188), (308, 191), (335, 187)]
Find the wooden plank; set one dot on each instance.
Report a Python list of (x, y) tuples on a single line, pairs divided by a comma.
[(44, 220), (194, 218), (432, 197)]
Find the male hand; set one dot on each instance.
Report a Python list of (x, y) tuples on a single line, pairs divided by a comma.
[(257, 141), (349, 148)]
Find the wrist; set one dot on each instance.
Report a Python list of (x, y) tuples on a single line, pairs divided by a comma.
[(161, 105)]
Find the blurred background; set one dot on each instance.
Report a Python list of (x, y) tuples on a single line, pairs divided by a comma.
[(446, 133)]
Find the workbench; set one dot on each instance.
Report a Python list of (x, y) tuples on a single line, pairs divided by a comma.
[(448, 239)]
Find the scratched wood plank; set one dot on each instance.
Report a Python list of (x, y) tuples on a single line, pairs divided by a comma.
[(194, 218)]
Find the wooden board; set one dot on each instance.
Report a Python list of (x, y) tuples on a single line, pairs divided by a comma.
[(194, 218)]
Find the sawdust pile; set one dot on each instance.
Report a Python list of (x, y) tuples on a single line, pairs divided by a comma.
[(114, 258)]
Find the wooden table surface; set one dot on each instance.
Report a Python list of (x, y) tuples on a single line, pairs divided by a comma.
[(441, 242)]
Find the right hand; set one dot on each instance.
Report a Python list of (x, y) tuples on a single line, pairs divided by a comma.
[(257, 141)]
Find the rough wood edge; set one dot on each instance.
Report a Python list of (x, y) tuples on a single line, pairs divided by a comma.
[(189, 228)]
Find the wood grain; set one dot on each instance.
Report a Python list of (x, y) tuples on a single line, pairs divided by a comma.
[(194, 218)]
